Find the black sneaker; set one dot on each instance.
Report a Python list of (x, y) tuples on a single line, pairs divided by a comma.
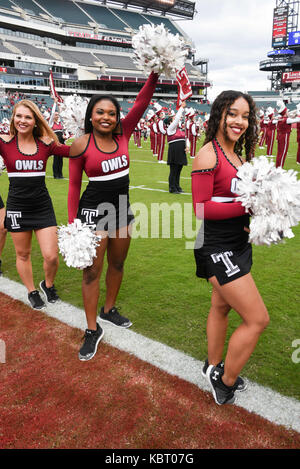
[(114, 317), (35, 300), (222, 394), (240, 383), (50, 293), (90, 345)]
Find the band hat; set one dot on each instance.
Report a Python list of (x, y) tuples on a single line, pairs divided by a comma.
[(280, 106), (158, 108)]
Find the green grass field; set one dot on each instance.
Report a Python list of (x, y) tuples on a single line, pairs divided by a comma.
[(160, 292)]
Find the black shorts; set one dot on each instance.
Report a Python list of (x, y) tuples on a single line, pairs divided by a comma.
[(226, 266), (109, 215)]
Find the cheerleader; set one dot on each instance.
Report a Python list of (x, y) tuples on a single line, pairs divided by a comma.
[(103, 156), (222, 252), (29, 208), (270, 130), (176, 150), (57, 127)]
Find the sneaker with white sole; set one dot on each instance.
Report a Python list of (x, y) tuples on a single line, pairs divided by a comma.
[(114, 317), (222, 394), (35, 300), (90, 345), (50, 293), (241, 384)]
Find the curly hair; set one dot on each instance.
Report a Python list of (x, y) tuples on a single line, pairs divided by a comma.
[(222, 103)]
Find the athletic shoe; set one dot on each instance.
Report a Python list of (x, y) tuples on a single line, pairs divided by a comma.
[(222, 394), (50, 293), (240, 383), (114, 317), (35, 300), (90, 345)]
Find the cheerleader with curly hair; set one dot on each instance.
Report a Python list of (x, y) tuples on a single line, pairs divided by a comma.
[(223, 253)]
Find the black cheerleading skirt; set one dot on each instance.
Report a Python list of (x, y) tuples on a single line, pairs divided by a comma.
[(29, 206), (222, 250), (105, 209)]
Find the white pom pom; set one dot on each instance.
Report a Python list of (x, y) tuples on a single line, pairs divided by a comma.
[(77, 244), (157, 50), (272, 195), (72, 113)]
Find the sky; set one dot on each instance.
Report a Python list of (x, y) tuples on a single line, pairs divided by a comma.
[(234, 35)]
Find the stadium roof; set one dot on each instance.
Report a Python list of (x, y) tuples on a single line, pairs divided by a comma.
[(183, 8)]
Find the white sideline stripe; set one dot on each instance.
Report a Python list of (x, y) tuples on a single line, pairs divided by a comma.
[(262, 401)]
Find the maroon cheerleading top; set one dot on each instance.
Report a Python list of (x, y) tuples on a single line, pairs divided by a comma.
[(108, 169), (215, 189), (21, 165)]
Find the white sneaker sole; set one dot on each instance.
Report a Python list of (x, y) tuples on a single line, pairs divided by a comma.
[(84, 358), (45, 296), (213, 389), (36, 309), (120, 327)]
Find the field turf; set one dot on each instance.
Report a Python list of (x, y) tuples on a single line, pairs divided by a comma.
[(160, 292)]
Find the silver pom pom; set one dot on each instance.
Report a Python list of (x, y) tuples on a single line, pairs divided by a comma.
[(77, 244), (272, 196), (72, 113), (157, 50)]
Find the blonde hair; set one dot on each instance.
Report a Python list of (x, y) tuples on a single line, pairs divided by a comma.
[(41, 129)]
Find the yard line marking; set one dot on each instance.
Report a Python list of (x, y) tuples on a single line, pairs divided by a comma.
[(265, 402)]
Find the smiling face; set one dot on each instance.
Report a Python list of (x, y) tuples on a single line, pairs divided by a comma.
[(235, 120), (24, 120), (104, 117)]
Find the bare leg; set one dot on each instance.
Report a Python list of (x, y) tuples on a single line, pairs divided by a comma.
[(243, 296), (216, 328), (90, 284), (116, 254), (3, 231), (47, 239), (22, 244)]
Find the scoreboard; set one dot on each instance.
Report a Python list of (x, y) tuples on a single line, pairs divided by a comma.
[(280, 27)]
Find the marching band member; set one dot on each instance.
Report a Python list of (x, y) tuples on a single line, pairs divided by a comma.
[(161, 133), (263, 129), (194, 132), (270, 130), (176, 149), (57, 127), (284, 128)]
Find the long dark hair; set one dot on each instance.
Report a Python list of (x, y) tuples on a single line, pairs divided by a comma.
[(88, 128), (223, 102)]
